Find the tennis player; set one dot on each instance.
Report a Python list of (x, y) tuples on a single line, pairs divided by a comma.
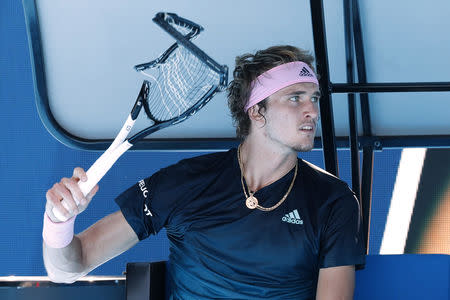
[(254, 222)]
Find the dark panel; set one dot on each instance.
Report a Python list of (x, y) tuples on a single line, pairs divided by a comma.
[(45, 290)]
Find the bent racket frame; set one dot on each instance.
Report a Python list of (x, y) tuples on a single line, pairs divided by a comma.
[(169, 22)]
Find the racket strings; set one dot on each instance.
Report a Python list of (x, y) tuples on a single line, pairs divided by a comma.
[(181, 82)]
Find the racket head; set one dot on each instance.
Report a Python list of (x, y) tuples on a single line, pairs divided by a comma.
[(182, 80)]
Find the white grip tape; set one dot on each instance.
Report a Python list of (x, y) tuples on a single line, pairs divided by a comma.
[(101, 165), (95, 174)]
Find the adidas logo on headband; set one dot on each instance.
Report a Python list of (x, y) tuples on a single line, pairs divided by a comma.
[(305, 72)]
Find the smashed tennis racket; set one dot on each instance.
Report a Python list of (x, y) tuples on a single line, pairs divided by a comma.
[(182, 80)]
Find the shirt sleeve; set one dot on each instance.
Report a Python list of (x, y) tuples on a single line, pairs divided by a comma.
[(342, 241), (144, 207)]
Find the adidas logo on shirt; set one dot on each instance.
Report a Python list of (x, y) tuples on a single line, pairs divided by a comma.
[(305, 72), (293, 217)]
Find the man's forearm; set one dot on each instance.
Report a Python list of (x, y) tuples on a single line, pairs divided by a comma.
[(65, 265), (336, 283)]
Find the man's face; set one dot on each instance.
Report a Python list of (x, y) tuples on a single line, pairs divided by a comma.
[(291, 116)]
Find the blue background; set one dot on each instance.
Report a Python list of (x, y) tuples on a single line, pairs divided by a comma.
[(31, 160)]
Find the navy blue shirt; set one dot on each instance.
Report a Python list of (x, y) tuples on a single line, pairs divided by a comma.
[(221, 249)]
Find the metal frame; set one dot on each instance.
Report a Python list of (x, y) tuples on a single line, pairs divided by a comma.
[(330, 142), (367, 142)]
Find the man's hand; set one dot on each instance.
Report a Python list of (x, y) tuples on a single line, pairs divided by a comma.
[(69, 191)]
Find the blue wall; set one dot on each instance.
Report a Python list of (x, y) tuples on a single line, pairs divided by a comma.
[(31, 160)]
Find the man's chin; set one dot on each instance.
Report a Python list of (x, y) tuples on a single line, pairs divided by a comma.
[(305, 144), (305, 147)]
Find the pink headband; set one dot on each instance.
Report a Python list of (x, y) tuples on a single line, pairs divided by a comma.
[(277, 78)]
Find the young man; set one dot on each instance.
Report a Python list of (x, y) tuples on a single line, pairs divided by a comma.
[(251, 223)]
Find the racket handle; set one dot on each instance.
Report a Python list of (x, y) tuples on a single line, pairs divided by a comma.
[(95, 174)]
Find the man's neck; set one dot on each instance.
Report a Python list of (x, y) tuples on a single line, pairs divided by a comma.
[(264, 163)]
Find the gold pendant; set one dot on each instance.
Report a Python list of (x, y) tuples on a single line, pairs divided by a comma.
[(251, 202)]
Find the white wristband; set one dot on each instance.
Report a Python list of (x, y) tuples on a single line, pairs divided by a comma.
[(57, 235)]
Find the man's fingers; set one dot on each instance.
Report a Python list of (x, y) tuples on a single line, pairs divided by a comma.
[(75, 190), (55, 199), (65, 194), (92, 193), (79, 173)]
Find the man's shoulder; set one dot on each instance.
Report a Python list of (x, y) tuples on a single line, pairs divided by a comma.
[(322, 181), (202, 163), (317, 172)]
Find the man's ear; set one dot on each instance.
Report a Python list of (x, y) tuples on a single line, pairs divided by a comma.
[(254, 114)]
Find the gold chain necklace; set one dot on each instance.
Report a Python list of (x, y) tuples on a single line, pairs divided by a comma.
[(251, 200)]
